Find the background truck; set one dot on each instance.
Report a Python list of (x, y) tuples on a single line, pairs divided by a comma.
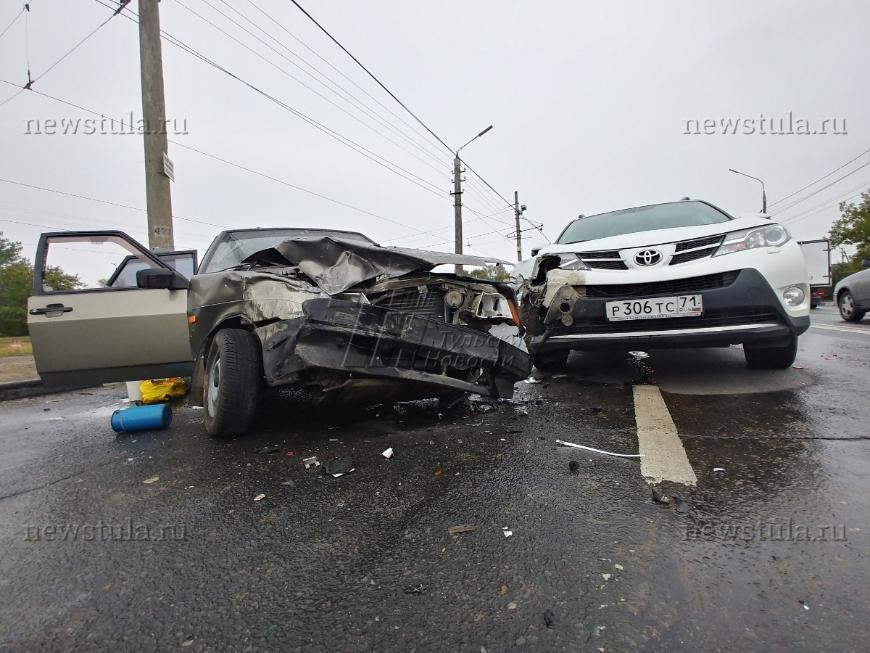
[(817, 254)]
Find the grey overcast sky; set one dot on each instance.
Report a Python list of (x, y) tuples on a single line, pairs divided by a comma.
[(589, 102)]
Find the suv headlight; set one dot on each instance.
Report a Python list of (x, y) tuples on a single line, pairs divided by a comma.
[(772, 235)]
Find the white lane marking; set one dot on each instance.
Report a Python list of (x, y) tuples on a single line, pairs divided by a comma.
[(845, 329), (663, 455)]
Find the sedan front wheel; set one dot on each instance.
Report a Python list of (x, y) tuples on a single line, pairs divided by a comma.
[(232, 382), (848, 311)]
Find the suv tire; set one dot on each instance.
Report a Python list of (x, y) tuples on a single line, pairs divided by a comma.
[(771, 358)]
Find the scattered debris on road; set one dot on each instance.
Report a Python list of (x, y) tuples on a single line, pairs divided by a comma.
[(415, 589), (718, 469), (531, 380), (310, 462), (507, 533), (339, 467), (259, 497), (573, 467), (387, 453), (549, 618), (606, 576), (461, 528), (609, 453), (149, 481), (269, 449)]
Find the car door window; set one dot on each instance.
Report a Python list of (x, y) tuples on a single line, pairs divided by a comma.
[(88, 262)]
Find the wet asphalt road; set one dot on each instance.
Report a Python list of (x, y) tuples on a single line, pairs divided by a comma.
[(772, 551)]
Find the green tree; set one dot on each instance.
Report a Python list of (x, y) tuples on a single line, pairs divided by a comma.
[(853, 228), (16, 285), (490, 273)]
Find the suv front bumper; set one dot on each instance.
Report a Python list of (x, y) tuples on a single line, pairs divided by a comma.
[(742, 309)]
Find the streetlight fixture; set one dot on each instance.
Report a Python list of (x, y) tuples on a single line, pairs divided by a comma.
[(457, 199), (763, 192)]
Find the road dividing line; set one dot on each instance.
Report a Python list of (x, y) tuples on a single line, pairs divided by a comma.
[(664, 458), (844, 329)]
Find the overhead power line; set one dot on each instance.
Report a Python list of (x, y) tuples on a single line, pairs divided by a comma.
[(14, 20), (372, 75), (825, 187), (32, 81), (825, 176)]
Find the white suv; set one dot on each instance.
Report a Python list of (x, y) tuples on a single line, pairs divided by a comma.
[(679, 274)]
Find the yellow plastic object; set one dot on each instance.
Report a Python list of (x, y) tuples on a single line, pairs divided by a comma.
[(155, 391)]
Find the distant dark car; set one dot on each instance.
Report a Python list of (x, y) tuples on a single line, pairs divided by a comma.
[(323, 309)]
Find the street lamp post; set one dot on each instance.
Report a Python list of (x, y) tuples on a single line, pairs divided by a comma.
[(457, 199), (763, 192)]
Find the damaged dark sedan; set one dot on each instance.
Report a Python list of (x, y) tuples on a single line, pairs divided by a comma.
[(321, 309)]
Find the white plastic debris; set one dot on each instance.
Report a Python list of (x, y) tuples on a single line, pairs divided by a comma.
[(531, 380), (618, 566), (149, 481), (310, 462), (605, 576), (387, 453), (608, 453), (259, 497), (718, 469), (507, 533)]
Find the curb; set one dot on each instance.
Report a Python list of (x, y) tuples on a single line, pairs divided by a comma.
[(32, 388)]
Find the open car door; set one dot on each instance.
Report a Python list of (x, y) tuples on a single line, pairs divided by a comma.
[(86, 330)]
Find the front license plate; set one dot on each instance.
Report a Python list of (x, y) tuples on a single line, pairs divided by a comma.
[(654, 309)]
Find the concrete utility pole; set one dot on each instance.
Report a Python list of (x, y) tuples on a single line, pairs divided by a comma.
[(457, 209), (517, 214), (157, 191), (457, 198)]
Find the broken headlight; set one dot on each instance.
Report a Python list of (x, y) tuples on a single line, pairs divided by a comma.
[(772, 235)]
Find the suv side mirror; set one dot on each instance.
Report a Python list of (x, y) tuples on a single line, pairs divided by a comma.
[(161, 278), (865, 263), (535, 251)]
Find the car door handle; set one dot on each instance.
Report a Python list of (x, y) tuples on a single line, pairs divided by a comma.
[(52, 310)]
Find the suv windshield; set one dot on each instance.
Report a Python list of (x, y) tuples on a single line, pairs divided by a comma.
[(233, 247), (642, 218)]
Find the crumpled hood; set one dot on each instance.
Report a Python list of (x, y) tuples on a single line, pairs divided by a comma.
[(336, 265), (656, 237)]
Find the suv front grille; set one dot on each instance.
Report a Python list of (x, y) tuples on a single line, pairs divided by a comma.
[(663, 288), (608, 260), (692, 250)]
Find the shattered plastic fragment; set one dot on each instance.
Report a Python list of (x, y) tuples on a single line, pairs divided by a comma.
[(339, 467), (149, 481), (507, 533), (415, 589), (605, 576), (718, 469), (609, 453), (259, 497), (310, 462), (387, 453)]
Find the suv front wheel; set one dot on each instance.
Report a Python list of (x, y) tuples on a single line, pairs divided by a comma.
[(771, 358), (232, 383)]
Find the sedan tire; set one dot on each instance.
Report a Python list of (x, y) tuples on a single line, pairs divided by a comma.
[(232, 383), (848, 310), (771, 358)]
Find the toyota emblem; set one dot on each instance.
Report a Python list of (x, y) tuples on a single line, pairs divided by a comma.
[(648, 257)]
